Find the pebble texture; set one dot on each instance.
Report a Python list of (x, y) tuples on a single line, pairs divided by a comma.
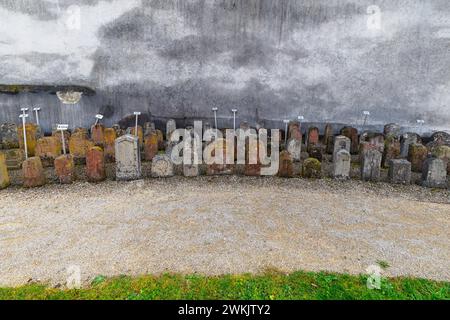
[(217, 225)]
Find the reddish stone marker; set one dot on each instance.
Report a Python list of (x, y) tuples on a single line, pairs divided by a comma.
[(33, 173), (98, 135), (95, 165), (313, 136), (4, 177), (417, 155), (328, 138), (65, 169), (352, 134), (151, 146), (252, 169), (286, 168)]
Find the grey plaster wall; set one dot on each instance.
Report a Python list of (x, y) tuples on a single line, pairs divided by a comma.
[(270, 59)]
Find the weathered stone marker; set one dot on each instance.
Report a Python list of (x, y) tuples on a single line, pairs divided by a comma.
[(341, 143), (405, 141), (294, 147), (110, 137), (286, 169), (392, 130), (14, 158), (65, 169), (416, 155), (95, 165), (33, 173), (328, 138), (216, 164), (79, 145), (371, 165), (98, 135), (352, 134), (312, 168), (341, 164), (151, 145), (313, 137), (391, 150), (4, 177), (399, 171), (9, 138), (128, 158), (434, 174), (162, 166), (442, 152), (139, 134), (48, 149)]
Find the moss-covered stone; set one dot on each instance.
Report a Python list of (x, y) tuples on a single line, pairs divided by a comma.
[(4, 177), (442, 152), (312, 168)]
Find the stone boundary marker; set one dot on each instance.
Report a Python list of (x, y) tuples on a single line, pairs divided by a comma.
[(128, 158)]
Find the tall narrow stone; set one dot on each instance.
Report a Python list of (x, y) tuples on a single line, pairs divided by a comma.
[(399, 171), (110, 137), (65, 169), (342, 164), (417, 154), (4, 177), (286, 168), (98, 135), (434, 174), (313, 137), (352, 134), (33, 173), (328, 138), (294, 147), (128, 158), (406, 140), (95, 165), (371, 165), (391, 150), (150, 145)]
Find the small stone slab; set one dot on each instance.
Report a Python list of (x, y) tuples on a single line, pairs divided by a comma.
[(162, 166), (399, 171)]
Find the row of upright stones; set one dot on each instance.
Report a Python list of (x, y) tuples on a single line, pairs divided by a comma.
[(400, 153)]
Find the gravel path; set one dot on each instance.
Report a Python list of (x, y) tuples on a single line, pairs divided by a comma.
[(216, 225)]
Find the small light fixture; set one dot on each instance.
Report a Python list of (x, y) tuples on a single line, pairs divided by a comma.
[(69, 97)]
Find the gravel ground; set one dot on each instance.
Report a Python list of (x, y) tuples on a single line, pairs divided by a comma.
[(217, 225)]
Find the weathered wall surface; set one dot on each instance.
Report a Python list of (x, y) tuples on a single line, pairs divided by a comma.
[(179, 58)]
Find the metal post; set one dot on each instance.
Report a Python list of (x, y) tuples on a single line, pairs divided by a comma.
[(366, 115), (24, 116), (215, 117), (36, 110), (234, 118), (62, 128), (98, 117), (137, 114)]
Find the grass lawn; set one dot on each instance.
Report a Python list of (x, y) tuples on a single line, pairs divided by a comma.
[(268, 286)]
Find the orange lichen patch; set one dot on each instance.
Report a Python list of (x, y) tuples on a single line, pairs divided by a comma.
[(151, 146), (79, 145), (4, 177), (110, 137), (48, 149), (65, 169), (31, 135)]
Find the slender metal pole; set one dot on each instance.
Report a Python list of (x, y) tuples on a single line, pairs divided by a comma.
[(23, 116), (63, 142), (36, 110), (234, 118), (136, 127)]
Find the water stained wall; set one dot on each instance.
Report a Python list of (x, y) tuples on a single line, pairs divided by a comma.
[(270, 59)]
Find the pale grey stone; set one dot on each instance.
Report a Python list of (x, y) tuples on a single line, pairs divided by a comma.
[(406, 140), (341, 164), (434, 173), (171, 126), (371, 165), (399, 171), (294, 147), (128, 158), (341, 143), (162, 166)]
